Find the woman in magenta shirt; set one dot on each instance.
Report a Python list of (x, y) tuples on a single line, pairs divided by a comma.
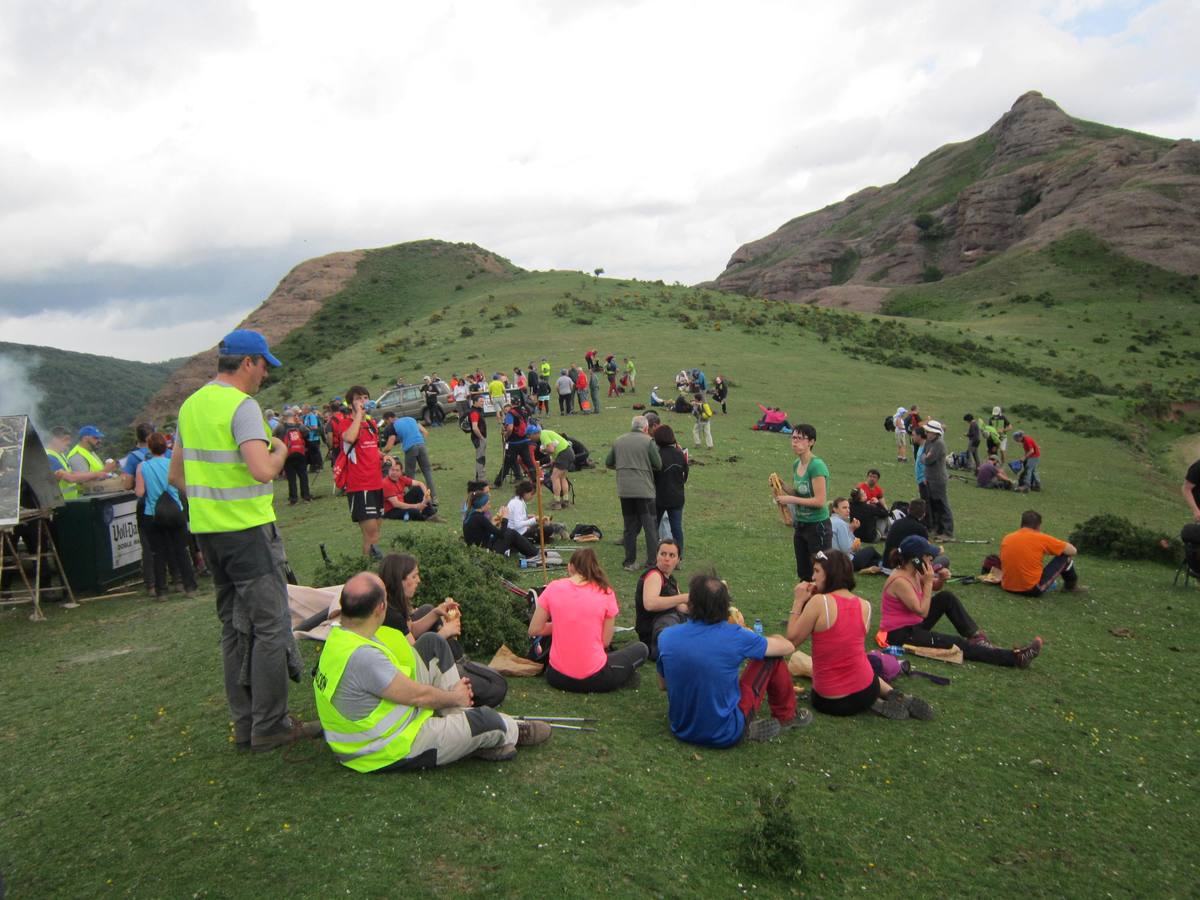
[(579, 612), (844, 681)]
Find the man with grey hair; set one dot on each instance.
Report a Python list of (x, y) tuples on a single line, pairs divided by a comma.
[(635, 458), (388, 705)]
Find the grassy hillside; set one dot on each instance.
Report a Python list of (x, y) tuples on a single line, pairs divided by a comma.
[(1026, 783), (84, 389)]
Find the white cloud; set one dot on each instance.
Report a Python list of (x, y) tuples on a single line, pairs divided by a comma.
[(647, 137)]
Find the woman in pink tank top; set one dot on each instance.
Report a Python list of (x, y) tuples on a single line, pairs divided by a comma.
[(844, 680)]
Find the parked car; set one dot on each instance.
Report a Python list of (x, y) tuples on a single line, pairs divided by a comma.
[(409, 401)]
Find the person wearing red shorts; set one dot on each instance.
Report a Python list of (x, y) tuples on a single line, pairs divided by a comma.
[(359, 440)]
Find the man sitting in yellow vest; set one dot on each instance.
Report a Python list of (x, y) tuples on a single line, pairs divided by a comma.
[(84, 456), (60, 464), (389, 704)]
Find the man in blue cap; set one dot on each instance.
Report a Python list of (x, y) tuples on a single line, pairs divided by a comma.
[(226, 459), (85, 457)]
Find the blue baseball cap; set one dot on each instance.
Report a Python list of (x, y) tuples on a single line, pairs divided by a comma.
[(90, 431), (244, 342), (915, 546)]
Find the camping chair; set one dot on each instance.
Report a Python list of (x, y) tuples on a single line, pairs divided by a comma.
[(1189, 568)]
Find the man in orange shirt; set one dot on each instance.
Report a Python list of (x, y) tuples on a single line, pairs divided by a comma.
[(1021, 555)]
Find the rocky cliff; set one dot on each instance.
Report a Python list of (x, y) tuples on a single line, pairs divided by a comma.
[(1032, 177), (301, 293)]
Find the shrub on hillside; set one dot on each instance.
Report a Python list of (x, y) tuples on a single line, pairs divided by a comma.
[(1118, 538), (449, 568), (771, 844), (931, 273)]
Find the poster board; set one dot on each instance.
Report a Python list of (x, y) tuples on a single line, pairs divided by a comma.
[(22, 458)]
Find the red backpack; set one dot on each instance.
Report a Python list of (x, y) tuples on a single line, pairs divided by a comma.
[(295, 442), (581, 382), (520, 423)]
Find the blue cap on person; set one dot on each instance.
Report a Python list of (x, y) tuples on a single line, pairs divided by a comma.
[(915, 546), (244, 342), (90, 431)]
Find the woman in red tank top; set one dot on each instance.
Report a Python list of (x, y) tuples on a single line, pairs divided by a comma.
[(844, 680)]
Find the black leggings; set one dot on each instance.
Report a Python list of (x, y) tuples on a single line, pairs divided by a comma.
[(946, 604), (851, 704), (807, 539), (616, 672)]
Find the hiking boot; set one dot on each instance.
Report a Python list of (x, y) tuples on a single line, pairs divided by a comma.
[(981, 640), (436, 519), (1026, 655), (375, 553), (294, 729), (1076, 589), (530, 733), (917, 708), (500, 753), (799, 720), (631, 567), (891, 707), (762, 729)]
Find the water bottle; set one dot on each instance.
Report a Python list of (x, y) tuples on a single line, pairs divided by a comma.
[(758, 627), (523, 563), (894, 650)]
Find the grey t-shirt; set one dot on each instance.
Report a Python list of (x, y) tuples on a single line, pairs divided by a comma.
[(78, 463), (368, 673), (247, 423)]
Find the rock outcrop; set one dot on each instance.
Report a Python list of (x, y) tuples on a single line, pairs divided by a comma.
[(1031, 178), (299, 295)]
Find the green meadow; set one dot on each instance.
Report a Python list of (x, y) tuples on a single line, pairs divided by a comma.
[(1072, 778)]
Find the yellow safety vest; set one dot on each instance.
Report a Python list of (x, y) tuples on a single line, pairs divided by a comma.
[(70, 490), (387, 734), (95, 463), (222, 494), (544, 368)]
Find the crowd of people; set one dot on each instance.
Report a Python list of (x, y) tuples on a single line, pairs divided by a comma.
[(394, 691)]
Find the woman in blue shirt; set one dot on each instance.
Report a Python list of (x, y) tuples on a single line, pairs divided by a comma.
[(167, 526)]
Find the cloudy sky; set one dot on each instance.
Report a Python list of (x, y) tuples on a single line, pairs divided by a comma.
[(162, 165)]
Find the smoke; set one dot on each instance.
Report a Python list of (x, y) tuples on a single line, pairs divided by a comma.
[(18, 394)]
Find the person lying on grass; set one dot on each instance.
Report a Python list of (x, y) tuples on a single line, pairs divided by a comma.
[(845, 681), (580, 613), (658, 603), (910, 610), (698, 661), (390, 706)]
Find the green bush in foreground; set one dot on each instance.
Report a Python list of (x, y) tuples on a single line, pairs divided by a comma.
[(449, 568), (1118, 538), (771, 845)]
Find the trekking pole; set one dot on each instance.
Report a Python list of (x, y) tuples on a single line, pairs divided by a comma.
[(555, 719), (537, 471), (556, 725)]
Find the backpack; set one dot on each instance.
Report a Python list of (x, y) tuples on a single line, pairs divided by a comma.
[(295, 442), (889, 423), (464, 422), (167, 514), (520, 423), (586, 533), (706, 412), (581, 383), (889, 668)]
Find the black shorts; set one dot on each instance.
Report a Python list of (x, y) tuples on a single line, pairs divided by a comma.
[(565, 460), (365, 505)]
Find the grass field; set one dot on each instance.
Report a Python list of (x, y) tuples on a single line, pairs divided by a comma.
[(1074, 778)]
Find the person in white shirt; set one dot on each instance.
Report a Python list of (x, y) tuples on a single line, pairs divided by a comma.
[(519, 519)]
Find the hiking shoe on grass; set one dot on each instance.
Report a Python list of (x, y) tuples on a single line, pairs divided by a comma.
[(1077, 589), (917, 708), (980, 640), (799, 720), (891, 707), (1026, 655), (294, 729), (631, 567), (531, 733), (762, 729)]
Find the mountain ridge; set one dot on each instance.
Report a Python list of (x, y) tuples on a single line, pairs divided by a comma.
[(1036, 175)]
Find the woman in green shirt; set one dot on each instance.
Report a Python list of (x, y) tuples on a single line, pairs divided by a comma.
[(810, 479), (558, 448)]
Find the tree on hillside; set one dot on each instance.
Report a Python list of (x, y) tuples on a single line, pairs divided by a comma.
[(598, 272)]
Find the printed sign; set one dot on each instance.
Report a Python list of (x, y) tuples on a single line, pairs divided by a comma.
[(121, 519), (12, 447)]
